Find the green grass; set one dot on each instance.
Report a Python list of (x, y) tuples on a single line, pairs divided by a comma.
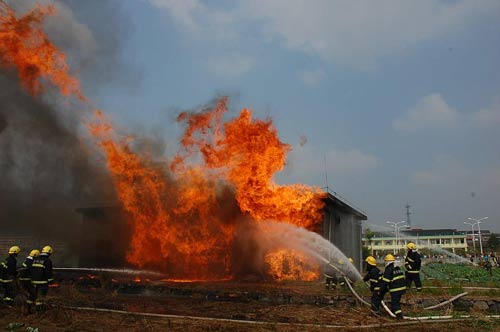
[(461, 275)]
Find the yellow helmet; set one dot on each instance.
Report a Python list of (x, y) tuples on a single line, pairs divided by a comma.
[(411, 246), (389, 258), (371, 260), (34, 253), (14, 250), (351, 260), (47, 249)]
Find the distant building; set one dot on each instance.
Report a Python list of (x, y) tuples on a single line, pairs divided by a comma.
[(473, 240), (448, 239)]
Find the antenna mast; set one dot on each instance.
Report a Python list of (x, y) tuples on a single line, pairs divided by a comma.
[(326, 173), (408, 221)]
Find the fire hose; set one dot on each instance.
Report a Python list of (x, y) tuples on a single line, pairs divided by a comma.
[(386, 308), (411, 320), (447, 301), (348, 282)]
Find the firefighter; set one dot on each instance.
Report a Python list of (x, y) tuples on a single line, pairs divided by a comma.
[(8, 275), (25, 276), (373, 276), (41, 277), (412, 265), (392, 281), (331, 276)]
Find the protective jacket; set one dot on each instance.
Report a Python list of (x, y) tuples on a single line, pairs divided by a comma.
[(393, 279), (373, 276), (412, 262), (8, 269), (41, 270), (25, 270)]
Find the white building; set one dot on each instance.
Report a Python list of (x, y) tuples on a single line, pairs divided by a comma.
[(448, 239)]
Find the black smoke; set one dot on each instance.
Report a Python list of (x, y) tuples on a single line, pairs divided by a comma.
[(47, 170)]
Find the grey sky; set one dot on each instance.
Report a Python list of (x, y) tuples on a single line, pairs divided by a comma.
[(401, 98)]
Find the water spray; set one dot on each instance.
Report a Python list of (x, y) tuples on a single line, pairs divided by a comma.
[(314, 245)]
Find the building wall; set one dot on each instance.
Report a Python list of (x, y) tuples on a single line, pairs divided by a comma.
[(104, 239), (381, 245), (344, 230)]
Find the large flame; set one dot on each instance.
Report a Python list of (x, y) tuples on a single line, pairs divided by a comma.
[(288, 264), (24, 45), (177, 211), (249, 152)]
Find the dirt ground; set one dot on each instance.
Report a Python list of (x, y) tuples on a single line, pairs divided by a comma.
[(227, 306)]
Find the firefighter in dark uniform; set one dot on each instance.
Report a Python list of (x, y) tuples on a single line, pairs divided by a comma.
[(373, 276), (41, 276), (8, 275), (392, 281), (331, 276), (25, 276), (412, 265)]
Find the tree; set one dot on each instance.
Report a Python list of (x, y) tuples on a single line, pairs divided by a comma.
[(369, 236), (366, 252), (493, 242)]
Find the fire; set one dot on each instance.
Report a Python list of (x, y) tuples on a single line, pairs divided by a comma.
[(174, 220), (192, 280), (248, 152), (24, 46), (286, 264), (183, 213)]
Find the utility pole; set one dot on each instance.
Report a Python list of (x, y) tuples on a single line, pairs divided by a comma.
[(396, 231), (478, 221), (473, 236), (408, 221)]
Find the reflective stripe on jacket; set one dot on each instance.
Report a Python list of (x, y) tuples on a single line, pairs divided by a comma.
[(8, 271), (373, 276), (24, 271), (393, 279), (41, 270), (412, 262)]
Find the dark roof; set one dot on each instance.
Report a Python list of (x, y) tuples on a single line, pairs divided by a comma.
[(432, 232), (340, 202), (422, 232)]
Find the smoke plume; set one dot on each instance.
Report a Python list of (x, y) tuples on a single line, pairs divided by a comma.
[(46, 170)]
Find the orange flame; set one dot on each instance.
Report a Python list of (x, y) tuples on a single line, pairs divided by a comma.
[(174, 220), (175, 213), (23, 45), (249, 152), (286, 264)]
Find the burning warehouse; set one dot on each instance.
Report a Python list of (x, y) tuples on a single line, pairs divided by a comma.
[(212, 210), (341, 226)]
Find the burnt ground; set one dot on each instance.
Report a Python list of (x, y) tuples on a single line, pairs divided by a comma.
[(236, 306)]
